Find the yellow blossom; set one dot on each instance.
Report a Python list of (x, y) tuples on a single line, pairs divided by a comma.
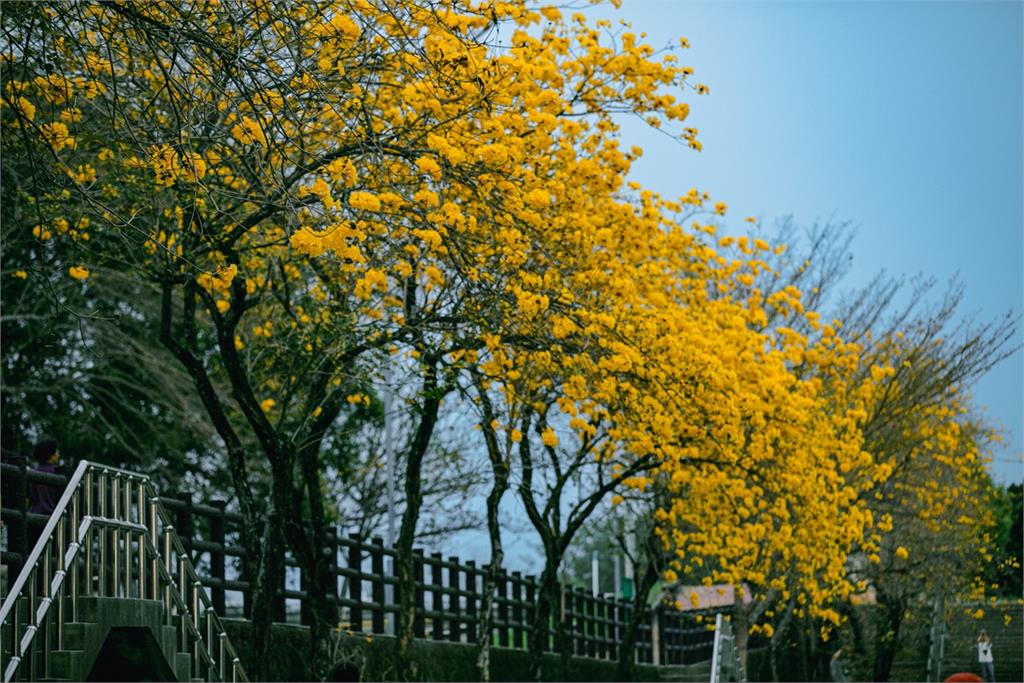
[(78, 272)]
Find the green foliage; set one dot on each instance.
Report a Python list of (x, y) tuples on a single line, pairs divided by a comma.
[(1004, 573)]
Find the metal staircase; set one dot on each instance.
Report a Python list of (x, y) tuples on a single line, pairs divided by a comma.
[(110, 543), (725, 656)]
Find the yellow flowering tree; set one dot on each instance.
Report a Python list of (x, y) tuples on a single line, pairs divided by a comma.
[(928, 493), (315, 186)]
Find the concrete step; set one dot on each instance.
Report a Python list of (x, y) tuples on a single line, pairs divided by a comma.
[(685, 674), (183, 666), (76, 635), (67, 664)]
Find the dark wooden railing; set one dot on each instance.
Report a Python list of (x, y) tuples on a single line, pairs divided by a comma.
[(449, 592)]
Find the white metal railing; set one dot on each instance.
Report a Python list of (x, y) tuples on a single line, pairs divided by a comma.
[(725, 656), (109, 536)]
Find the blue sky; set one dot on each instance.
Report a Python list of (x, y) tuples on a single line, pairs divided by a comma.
[(904, 118)]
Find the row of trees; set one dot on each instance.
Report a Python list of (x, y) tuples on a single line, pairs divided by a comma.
[(244, 223)]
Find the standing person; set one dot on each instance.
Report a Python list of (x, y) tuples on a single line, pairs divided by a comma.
[(42, 498), (837, 667), (985, 657)]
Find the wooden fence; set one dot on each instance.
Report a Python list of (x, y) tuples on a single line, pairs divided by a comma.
[(448, 597)]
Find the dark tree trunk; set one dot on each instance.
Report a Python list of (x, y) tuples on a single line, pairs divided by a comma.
[(887, 636), (267, 579), (627, 648), (413, 501), (483, 659), (316, 549), (500, 472), (778, 638), (548, 600)]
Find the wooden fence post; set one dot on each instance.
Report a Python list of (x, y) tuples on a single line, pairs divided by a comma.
[(501, 600), (471, 596), (419, 623), (580, 622), (377, 567), (517, 611), (355, 583), (437, 597), (333, 545), (602, 628), (531, 590), (454, 599), (593, 612)]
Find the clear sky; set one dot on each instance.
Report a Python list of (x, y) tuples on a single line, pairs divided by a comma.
[(902, 117)]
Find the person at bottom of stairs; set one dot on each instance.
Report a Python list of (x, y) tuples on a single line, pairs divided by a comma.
[(985, 657)]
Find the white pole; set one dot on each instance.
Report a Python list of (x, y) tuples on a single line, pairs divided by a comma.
[(630, 556), (617, 560), (595, 568)]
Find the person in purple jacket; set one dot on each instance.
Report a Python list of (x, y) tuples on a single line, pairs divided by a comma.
[(42, 498)]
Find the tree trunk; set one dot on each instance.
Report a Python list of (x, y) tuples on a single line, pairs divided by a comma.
[(498, 489), (483, 659), (887, 638), (265, 582), (627, 648), (777, 639), (500, 471), (547, 601), (406, 579)]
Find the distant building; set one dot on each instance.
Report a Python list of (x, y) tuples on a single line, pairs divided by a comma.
[(704, 597)]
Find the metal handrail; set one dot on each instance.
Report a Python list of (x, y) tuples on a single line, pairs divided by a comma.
[(141, 538)]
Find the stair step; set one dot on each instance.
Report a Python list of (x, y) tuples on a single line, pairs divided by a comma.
[(183, 665), (65, 663), (76, 634)]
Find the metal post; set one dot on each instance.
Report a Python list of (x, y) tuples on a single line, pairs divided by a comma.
[(140, 505), (30, 617), (61, 567), (595, 577), (182, 585), (209, 639), (89, 537), (168, 530), (716, 651), (103, 534), (115, 513), (16, 626), (222, 655), (196, 587), (154, 539), (46, 598), (127, 491), (76, 538)]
